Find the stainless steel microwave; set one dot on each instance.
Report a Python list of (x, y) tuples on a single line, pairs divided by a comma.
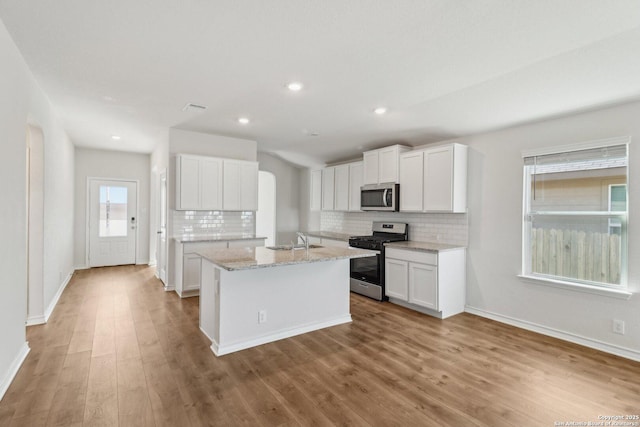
[(380, 197)]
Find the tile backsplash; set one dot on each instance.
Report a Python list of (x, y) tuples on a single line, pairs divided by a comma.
[(423, 227), (201, 223)]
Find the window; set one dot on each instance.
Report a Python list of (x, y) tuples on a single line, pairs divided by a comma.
[(575, 216), (113, 211)]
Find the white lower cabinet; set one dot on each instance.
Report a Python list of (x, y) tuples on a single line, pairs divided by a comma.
[(431, 282), (188, 263)]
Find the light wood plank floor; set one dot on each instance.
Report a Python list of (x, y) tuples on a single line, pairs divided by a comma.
[(118, 350)]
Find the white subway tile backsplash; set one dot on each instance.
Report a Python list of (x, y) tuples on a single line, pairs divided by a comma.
[(213, 222), (423, 227)]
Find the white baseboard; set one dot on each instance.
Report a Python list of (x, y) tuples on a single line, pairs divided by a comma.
[(142, 262), (169, 288), (56, 297), (13, 369), (220, 350), (555, 333), (36, 320), (81, 267)]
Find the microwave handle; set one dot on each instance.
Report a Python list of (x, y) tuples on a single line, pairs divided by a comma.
[(384, 197)]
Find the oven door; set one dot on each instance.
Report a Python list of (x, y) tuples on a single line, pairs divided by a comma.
[(367, 269)]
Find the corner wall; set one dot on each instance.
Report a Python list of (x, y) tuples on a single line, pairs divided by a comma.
[(495, 234), (22, 103)]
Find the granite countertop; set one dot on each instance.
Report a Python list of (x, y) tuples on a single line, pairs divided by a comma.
[(261, 257), (193, 238), (423, 246), (329, 235)]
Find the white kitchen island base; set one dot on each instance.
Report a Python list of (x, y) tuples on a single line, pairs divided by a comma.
[(245, 308)]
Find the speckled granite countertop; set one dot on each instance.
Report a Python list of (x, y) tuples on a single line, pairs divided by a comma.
[(261, 257), (423, 246), (329, 235), (193, 238)]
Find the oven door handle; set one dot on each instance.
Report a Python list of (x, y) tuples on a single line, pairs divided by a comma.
[(384, 197)]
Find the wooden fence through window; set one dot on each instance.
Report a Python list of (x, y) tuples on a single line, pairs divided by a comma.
[(576, 254)]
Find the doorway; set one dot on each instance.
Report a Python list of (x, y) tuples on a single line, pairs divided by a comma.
[(112, 212), (266, 214), (161, 244)]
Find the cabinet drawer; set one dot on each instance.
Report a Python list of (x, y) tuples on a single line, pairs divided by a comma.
[(412, 256), (190, 248)]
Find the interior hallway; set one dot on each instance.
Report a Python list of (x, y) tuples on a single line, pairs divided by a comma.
[(118, 350)]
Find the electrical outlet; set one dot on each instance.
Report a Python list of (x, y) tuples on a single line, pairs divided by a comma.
[(618, 326), (262, 316)]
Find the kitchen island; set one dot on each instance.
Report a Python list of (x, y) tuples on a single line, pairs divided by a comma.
[(252, 296)]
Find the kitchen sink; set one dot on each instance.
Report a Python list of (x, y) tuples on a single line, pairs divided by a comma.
[(290, 247)]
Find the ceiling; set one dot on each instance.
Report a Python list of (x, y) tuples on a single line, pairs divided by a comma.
[(443, 68)]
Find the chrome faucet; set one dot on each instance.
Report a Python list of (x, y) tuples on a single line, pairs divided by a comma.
[(305, 239)]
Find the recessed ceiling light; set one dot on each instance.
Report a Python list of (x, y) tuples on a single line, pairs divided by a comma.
[(243, 120), (295, 86), (116, 137), (380, 110)]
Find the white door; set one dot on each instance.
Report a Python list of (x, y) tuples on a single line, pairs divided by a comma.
[(112, 222), (161, 245), (396, 278), (423, 285)]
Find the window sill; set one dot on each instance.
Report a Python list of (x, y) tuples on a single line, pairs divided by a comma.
[(578, 287)]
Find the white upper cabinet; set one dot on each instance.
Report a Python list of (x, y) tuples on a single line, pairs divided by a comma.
[(445, 179), (328, 187), (382, 165), (370, 161), (411, 181), (355, 182), (198, 183), (210, 183), (211, 191), (240, 190), (315, 201), (434, 180), (341, 188)]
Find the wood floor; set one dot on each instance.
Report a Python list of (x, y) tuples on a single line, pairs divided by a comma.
[(118, 350)]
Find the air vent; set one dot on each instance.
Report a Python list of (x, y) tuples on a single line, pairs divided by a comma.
[(194, 107)]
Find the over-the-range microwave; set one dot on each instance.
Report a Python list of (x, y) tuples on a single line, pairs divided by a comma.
[(380, 197)]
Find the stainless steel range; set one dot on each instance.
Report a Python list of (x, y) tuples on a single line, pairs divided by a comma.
[(367, 274)]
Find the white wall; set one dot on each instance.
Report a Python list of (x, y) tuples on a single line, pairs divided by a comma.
[(111, 164), (287, 196), (309, 220), (495, 234), (159, 160), (23, 102)]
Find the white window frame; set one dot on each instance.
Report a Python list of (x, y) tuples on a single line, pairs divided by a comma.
[(610, 290)]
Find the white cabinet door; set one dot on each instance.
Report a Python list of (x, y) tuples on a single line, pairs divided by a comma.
[(240, 186), (188, 183), (388, 165), (248, 186), (355, 182), (191, 272), (315, 202), (210, 184), (438, 179), (231, 192), (423, 285), (370, 165), (397, 279), (411, 181), (328, 180), (341, 186)]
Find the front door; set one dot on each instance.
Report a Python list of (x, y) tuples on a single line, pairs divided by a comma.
[(112, 222)]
